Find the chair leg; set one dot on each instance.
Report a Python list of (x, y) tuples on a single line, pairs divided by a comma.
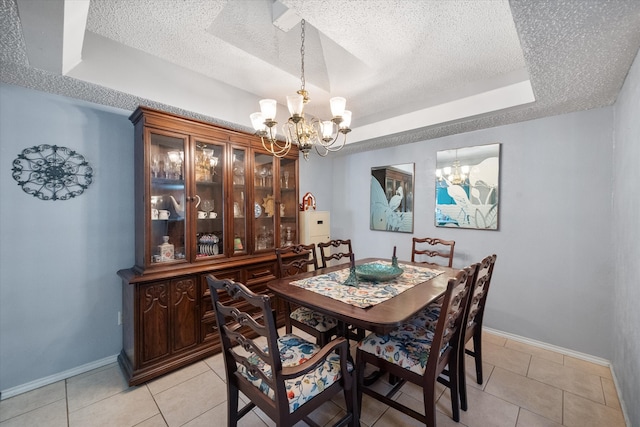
[(232, 404), (429, 403), (359, 382), (454, 382), (351, 401), (323, 338), (477, 349), (287, 319), (462, 379)]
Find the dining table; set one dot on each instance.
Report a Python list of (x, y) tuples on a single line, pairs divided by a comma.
[(374, 306)]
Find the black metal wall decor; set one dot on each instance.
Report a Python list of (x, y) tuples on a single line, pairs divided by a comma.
[(51, 172)]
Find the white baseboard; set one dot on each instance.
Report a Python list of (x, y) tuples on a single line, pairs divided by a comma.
[(567, 352), (14, 391), (551, 347)]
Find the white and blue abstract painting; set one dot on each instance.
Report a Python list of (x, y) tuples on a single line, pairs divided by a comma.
[(467, 182), (392, 198)]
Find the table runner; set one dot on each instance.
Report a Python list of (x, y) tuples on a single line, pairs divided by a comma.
[(368, 293)]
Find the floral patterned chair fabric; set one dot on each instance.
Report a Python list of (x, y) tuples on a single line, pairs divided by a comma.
[(427, 318), (314, 319), (419, 355), (294, 351), (321, 326), (289, 377), (408, 346)]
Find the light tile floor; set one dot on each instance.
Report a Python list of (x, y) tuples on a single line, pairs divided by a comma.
[(524, 386)]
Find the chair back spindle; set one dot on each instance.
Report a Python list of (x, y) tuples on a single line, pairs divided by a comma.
[(341, 249), (435, 248)]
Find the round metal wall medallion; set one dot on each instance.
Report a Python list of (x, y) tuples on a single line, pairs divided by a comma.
[(50, 172)]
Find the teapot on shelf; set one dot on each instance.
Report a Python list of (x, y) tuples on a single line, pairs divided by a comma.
[(180, 206)]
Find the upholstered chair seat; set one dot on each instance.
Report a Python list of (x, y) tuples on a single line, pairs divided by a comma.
[(294, 351), (408, 346), (314, 319)]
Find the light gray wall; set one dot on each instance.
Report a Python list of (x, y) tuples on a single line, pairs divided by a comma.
[(59, 292), (552, 281), (626, 235)]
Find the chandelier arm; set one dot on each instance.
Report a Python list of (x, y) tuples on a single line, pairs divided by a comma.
[(321, 154), (280, 152), (329, 146), (274, 146), (279, 145), (338, 147)]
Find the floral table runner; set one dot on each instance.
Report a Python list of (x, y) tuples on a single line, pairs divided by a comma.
[(368, 293)]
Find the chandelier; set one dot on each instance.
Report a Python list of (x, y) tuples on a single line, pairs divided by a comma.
[(455, 174), (298, 130)]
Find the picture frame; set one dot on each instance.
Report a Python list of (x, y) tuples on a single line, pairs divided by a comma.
[(392, 198), (467, 187)]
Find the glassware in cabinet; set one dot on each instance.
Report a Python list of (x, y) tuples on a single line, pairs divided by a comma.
[(167, 189), (209, 173), (288, 202), (264, 202), (239, 211)]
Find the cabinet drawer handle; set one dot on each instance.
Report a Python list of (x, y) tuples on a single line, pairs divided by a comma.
[(262, 273)]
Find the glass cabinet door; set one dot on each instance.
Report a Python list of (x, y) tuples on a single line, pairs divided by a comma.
[(208, 168), (288, 211), (265, 204), (167, 206), (238, 175)]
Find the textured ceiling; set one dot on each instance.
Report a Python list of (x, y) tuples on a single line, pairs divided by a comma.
[(390, 59)]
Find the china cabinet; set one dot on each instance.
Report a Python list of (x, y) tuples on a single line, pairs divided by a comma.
[(208, 200)]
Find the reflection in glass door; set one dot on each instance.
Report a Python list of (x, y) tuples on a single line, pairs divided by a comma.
[(265, 204), (209, 217), (288, 211), (239, 167), (167, 207)]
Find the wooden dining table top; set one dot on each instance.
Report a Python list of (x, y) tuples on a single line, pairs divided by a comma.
[(380, 318)]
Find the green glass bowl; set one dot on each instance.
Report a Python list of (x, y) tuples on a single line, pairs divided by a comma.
[(377, 272)]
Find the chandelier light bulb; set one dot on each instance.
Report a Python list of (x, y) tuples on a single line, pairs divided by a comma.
[(346, 120), (268, 109), (258, 122), (338, 105), (295, 104), (327, 130)]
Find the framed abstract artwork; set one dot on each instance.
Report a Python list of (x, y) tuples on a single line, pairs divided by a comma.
[(467, 187), (391, 202)]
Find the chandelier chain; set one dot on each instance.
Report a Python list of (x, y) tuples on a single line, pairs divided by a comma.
[(302, 55)]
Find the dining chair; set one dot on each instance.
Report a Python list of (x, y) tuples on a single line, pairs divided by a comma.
[(436, 248), (419, 355), (473, 330), (321, 326), (427, 318), (344, 251), (288, 377), (327, 253)]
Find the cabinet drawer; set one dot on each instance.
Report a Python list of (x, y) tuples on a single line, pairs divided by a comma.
[(261, 273)]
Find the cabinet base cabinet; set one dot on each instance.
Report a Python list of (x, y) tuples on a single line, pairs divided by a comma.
[(169, 321)]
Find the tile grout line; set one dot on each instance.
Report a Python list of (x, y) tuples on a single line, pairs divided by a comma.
[(66, 398)]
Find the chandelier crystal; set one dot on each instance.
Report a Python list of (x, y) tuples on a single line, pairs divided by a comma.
[(299, 130)]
